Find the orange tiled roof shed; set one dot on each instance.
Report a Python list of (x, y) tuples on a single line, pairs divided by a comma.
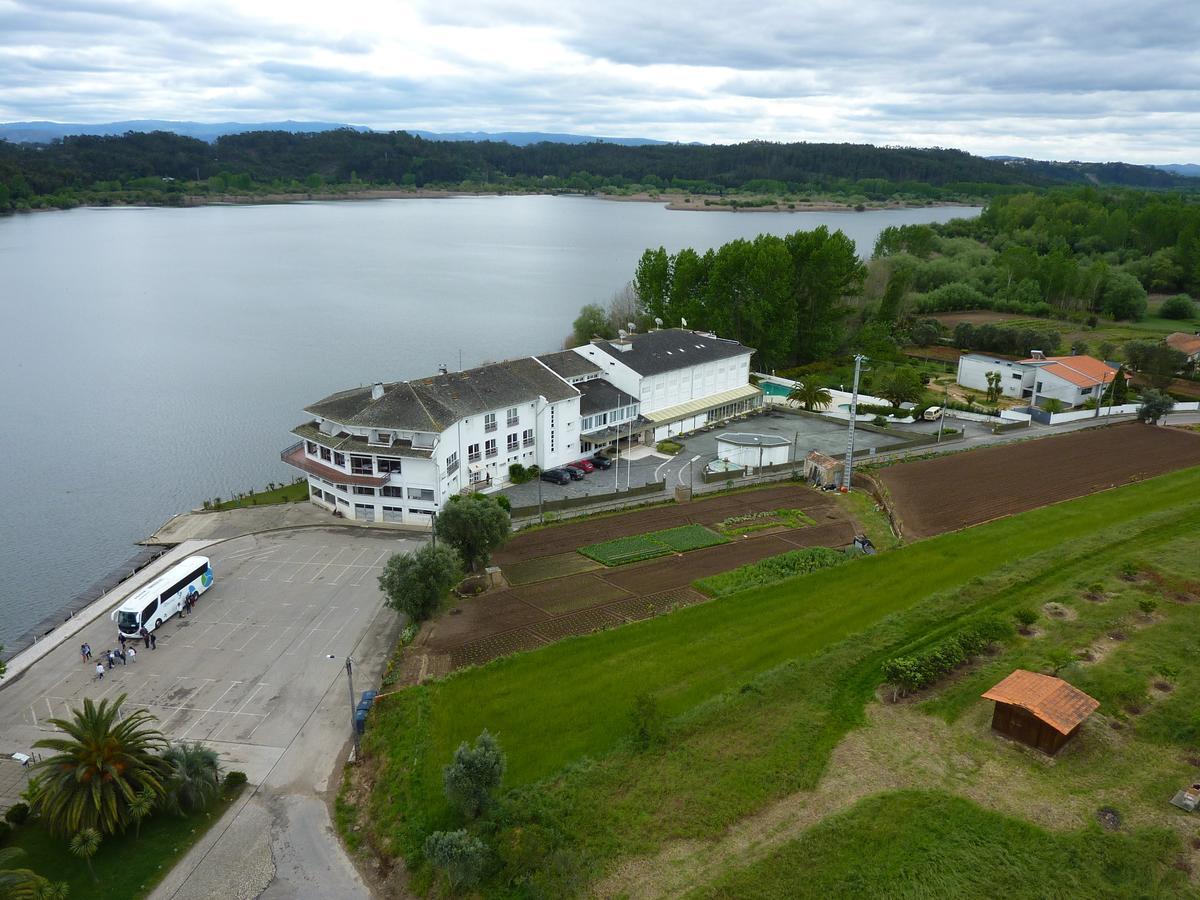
[(1039, 710)]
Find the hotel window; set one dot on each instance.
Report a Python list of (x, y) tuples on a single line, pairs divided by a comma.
[(420, 494), (451, 463), (512, 417), (326, 454), (387, 464), (364, 491), (310, 448), (527, 437), (473, 453), (361, 465), (585, 424), (489, 446), (390, 491), (489, 422), (512, 442)]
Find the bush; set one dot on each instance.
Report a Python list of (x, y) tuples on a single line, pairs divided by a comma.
[(911, 673), (474, 774), (5, 831), (234, 779), (505, 503), (669, 447), (460, 855), (17, 814), (517, 474), (771, 570), (1146, 604), (416, 583), (647, 720), (1178, 307), (1025, 617)]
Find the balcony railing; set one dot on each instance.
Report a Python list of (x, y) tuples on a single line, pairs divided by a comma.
[(294, 456)]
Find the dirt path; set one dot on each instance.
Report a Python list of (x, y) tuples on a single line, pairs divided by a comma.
[(902, 748)]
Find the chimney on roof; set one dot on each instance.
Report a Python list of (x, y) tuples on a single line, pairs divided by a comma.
[(377, 390), (1036, 354)]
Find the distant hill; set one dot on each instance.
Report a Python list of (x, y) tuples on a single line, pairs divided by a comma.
[(44, 132), (1111, 173), (1190, 170)]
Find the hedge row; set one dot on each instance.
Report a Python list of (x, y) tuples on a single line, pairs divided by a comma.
[(771, 570), (911, 673)]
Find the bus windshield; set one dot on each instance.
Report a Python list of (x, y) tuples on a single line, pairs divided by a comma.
[(128, 622)]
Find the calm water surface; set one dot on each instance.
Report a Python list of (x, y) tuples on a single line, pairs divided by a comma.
[(156, 357)]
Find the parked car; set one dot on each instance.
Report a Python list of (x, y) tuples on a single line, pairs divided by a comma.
[(556, 476), (932, 414), (586, 464), (602, 462), (576, 474)]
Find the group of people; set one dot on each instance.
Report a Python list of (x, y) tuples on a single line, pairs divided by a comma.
[(126, 655)]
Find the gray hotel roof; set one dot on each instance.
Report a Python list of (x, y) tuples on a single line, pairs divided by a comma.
[(656, 352), (433, 404), (569, 364), (598, 396)]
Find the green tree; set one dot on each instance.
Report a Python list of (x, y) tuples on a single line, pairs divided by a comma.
[(994, 389), (84, 844), (810, 395), (474, 525), (925, 332), (1178, 307), (416, 583), (1058, 658), (140, 807), (194, 777), (827, 270), (474, 774), (98, 769), (1119, 389), (893, 295), (459, 855), (1079, 348), (901, 385), (1155, 405), (1123, 297), (652, 281), (592, 322)]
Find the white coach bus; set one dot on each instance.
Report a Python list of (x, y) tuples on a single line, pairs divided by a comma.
[(163, 597)]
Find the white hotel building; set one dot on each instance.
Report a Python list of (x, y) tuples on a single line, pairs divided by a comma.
[(397, 452)]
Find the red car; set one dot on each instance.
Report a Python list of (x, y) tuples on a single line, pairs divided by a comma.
[(583, 465)]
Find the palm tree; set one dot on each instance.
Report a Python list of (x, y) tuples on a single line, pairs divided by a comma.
[(98, 769), (84, 844), (194, 776), (19, 884), (810, 395), (140, 807)]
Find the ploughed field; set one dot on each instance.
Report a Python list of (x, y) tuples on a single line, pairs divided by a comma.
[(937, 495)]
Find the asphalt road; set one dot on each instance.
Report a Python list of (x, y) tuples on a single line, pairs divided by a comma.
[(248, 674)]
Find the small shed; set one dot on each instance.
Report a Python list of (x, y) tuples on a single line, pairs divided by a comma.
[(753, 450), (821, 470), (1039, 710)]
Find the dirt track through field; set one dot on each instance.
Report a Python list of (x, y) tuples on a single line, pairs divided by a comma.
[(950, 492)]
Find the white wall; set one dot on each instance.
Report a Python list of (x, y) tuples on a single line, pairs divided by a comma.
[(753, 457), (972, 373), (612, 369), (693, 382)]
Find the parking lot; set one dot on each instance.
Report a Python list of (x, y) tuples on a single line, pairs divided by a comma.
[(248, 672), (806, 432)]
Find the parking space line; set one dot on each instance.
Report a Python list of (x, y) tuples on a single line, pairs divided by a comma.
[(200, 718), (345, 622), (312, 631), (346, 566), (238, 712), (285, 630), (300, 568), (259, 564), (253, 634), (367, 570), (313, 580)]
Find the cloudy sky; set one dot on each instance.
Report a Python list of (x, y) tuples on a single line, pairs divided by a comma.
[(1069, 80)]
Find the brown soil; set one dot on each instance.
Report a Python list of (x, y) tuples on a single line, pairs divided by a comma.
[(976, 317), (951, 492)]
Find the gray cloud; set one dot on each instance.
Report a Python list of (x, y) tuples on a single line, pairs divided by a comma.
[(1082, 80)]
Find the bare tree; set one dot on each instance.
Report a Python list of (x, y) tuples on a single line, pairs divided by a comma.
[(624, 307)]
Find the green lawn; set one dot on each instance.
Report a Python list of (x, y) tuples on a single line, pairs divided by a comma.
[(126, 866), (760, 686), (918, 844), (621, 551), (288, 493)]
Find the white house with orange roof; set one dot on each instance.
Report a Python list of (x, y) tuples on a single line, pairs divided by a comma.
[(1187, 344), (1072, 380)]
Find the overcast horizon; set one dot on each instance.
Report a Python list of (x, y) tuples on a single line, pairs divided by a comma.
[(1085, 81)]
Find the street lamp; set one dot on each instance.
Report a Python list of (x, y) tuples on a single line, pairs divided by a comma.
[(689, 468), (350, 684)]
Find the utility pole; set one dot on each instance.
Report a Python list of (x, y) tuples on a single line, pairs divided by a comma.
[(617, 473), (353, 724), (858, 361), (942, 417)]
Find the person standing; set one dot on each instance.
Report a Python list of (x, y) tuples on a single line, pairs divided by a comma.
[(131, 653), (121, 639), (99, 671), (83, 652), (153, 641), (146, 636)]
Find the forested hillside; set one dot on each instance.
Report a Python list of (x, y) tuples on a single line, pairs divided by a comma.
[(164, 167)]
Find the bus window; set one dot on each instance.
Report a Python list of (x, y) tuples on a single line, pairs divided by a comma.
[(149, 611)]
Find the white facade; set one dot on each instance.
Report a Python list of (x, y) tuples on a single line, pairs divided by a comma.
[(752, 451), (1016, 380), (1070, 380)]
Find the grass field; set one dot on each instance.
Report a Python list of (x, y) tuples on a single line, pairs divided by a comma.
[(625, 550), (916, 844), (287, 493), (127, 865), (759, 687)]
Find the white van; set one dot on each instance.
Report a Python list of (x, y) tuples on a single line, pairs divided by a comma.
[(162, 598), (932, 414)]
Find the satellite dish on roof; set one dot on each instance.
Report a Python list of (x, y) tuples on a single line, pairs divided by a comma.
[(683, 321), (657, 322), (632, 327)]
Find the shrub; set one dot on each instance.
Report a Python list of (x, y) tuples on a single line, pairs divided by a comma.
[(517, 474), (1025, 617), (669, 447), (504, 503), (770, 570), (879, 421), (5, 831), (474, 774), (416, 583), (1146, 604), (911, 673), (647, 720), (1178, 307), (460, 855), (17, 814), (234, 779)]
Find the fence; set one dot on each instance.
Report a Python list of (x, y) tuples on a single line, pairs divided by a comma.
[(654, 487)]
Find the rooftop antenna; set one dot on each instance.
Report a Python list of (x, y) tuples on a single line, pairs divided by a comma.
[(460, 359)]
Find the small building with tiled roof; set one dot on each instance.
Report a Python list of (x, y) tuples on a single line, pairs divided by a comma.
[(1039, 710), (1187, 344)]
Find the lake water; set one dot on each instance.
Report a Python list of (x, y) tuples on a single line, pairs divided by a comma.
[(156, 357)]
